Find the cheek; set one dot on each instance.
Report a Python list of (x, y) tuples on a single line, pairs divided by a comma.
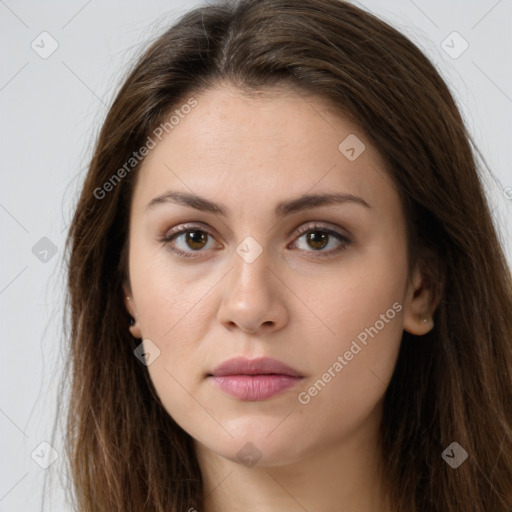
[(357, 295), (353, 368), (174, 310), (165, 291), (361, 307)]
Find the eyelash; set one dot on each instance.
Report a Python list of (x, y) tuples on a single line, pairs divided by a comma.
[(345, 242)]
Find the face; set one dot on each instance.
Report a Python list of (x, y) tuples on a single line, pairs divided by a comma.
[(254, 270)]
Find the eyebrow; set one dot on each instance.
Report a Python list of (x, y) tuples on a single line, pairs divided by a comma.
[(283, 208)]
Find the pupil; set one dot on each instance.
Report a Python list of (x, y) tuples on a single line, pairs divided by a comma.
[(317, 242), (195, 239), (316, 239)]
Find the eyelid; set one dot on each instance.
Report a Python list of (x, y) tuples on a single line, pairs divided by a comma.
[(180, 229), (320, 227), (184, 227), (344, 240)]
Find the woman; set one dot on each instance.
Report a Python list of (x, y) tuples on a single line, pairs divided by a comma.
[(285, 286)]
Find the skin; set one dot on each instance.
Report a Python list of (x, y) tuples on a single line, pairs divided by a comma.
[(250, 153)]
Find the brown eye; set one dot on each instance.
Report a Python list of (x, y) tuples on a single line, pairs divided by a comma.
[(317, 239), (187, 240), (196, 239)]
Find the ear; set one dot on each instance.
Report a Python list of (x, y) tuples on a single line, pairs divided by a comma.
[(422, 297), (130, 306)]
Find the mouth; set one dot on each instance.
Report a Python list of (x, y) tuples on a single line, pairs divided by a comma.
[(256, 379), (254, 387)]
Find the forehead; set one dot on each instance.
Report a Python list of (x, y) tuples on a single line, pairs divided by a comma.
[(266, 146)]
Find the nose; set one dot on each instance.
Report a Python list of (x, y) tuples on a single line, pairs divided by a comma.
[(252, 297)]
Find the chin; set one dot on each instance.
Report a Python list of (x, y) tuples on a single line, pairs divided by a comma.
[(259, 449)]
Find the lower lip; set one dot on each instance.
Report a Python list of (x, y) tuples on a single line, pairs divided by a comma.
[(255, 387)]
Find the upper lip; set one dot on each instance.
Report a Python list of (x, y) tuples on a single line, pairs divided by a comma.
[(260, 366)]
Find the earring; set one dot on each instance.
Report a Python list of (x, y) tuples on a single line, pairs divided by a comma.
[(425, 319)]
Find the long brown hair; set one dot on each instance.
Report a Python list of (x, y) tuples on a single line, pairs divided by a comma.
[(453, 385)]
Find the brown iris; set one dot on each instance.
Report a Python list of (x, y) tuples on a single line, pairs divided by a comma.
[(196, 239), (317, 239)]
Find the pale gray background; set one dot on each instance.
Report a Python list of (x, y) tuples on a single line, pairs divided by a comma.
[(50, 110)]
